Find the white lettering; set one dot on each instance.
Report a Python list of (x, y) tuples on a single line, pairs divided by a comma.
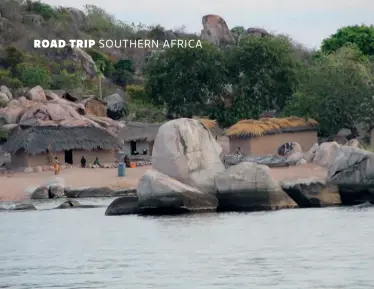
[(72, 43), (166, 44), (101, 43), (180, 43), (37, 44), (198, 44), (91, 43), (109, 44)]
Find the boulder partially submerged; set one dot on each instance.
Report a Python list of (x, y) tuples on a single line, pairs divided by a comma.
[(160, 194), (352, 170), (126, 205), (185, 150), (312, 192), (249, 187)]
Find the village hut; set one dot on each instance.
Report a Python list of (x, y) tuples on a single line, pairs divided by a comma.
[(38, 145), (95, 106), (264, 136), (212, 125), (138, 138)]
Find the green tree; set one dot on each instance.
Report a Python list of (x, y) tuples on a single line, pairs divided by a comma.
[(338, 92), (67, 81), (123, 72), (32, 75), (360, 35), (237, 32), (264, 74), (186, 80), (99, 56), (13, 57), (100, 68), (7, 79)]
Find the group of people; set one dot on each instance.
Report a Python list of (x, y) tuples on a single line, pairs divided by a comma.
[(84, 162), (56, 164)]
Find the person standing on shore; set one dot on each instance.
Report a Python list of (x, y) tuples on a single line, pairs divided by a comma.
[(57, 166), (83, 162)]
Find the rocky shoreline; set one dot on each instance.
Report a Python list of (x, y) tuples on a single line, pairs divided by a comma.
[(189, 176)]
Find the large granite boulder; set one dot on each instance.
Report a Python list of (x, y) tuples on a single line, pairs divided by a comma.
[(36, 93), (126, 205), (289, 148), (185, 150), (40, 193), (90, 192), (115, 106), (161, 194), (312, 192), (250, 187), (325, 153), (216, 31), (309, 155), (352, 170)]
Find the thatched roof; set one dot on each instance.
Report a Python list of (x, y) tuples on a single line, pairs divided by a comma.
[(250, 127), (210, 124), (37, 139), (139, 131), (93, 99)]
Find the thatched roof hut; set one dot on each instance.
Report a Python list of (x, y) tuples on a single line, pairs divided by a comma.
[(95, 106), (265, 126), (35, 140), (212, 125), (264, 136), (139, 131)]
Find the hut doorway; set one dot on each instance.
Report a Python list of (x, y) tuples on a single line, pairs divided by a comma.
[(69, 157), (133, 147)]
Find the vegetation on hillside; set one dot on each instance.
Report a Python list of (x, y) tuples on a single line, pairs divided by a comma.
[(333, 85)]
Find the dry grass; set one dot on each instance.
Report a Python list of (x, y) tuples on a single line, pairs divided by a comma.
[(252, 127)]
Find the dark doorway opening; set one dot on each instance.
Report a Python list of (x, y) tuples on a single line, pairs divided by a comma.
[(133, 147), (69, 157)]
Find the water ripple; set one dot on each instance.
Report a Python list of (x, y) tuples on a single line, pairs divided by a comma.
[(288, 249)]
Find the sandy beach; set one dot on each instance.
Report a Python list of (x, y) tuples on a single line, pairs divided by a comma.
[(13, 185)]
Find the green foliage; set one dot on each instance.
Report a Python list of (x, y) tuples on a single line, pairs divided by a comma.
[(360, 35), (13, 57), (237, 31), (123, 72), (4, 134), (67, 81), (45, 10), (138, 110), (32, 75), (186, 80), (107, 67), (263, 73), (338, 92), (137, 93), (7, 80)]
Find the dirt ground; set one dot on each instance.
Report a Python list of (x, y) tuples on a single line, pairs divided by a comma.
[(12, 186)]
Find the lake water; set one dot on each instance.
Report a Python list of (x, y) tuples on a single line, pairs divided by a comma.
[(82, 248)]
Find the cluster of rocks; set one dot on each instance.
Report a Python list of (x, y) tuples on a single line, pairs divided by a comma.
[(56, 188), (189, 176), (39, 107)]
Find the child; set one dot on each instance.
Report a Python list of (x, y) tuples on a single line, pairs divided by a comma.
[(57, 166)]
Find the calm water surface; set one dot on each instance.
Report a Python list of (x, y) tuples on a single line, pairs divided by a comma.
[(81, 248)]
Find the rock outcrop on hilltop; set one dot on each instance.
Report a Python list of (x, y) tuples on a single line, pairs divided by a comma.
[(216, 31), (36, 110)]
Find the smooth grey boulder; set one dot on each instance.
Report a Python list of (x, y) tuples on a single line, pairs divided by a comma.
[(161, 194), (352, 170), (125, 205), (250, 187), (312, 192), (185, 150)]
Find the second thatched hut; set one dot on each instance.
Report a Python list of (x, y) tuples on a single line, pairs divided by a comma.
[(264, 136)]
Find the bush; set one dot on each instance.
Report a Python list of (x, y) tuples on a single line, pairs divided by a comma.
[(67, 81), (12, 58), (44, 10), (137, 93), (32, 75), (7, 80), (3, 134), (145, 112), (98, 56)]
